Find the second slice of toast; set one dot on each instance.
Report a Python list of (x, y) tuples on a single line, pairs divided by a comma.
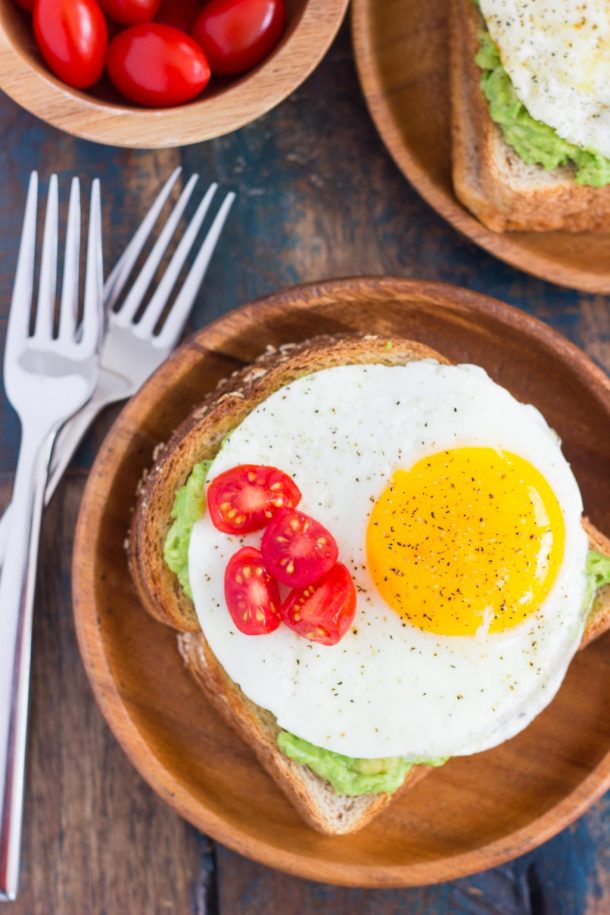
[(489, 177)]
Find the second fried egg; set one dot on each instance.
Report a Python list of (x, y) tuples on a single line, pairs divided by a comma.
[(558, 58)]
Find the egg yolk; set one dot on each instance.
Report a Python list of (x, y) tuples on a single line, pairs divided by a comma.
[(468, 540)]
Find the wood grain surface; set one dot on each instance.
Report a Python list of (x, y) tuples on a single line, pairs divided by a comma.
[(537, 783), (318, 197), (402, 53), (103, 115)]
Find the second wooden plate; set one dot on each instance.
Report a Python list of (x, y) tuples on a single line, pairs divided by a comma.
[(402, 54), (474, 812)]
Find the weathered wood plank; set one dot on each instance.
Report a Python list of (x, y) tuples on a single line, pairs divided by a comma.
[(567, 876)]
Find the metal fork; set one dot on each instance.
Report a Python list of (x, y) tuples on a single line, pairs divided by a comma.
[(49, 373), (134, 347)]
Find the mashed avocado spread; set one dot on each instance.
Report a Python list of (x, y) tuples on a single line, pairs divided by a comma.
[(348, 776), (536, 143), (188, 507), (598, 575)]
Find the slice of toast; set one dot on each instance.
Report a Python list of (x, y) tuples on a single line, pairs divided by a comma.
[(199, 438), (489, 177)]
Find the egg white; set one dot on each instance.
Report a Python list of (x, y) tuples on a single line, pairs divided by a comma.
[(388, 688), (557, 55)]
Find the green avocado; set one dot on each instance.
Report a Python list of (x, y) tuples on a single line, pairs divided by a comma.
[(351, 777), (188, 507), (536, 143), (598, 575), (348, 776)]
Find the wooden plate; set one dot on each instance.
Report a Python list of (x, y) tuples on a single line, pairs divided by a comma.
[(401, 49), (472, 814)]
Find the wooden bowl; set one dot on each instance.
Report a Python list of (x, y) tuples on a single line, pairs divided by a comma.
[(474, 812), (105, 117), (402, 56)]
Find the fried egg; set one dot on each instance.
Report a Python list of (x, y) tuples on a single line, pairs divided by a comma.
[(460, 521), (558, 58)]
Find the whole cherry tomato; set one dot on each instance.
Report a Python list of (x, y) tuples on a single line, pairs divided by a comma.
[(297, 550), (27, 5), (246, 497), (130, 12), (72, 37), (156, 65), (323, 612), (251, 594), (179, 13), (238, 34)]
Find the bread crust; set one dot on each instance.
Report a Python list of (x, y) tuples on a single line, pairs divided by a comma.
[(197, 439), (489, 177)]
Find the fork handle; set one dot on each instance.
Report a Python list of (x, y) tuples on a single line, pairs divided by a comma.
[(66, 443), (69, 438), (17, 585)]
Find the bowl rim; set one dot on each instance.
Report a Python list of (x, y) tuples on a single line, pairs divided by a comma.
[(114, 707), (250, 97)]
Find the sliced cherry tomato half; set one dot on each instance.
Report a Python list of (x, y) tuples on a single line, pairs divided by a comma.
[(237, 34), (246, 497), (130, 12), (156, 65), (179, 13), (251, 593), (323, 612), (297, 549), (72, 37)]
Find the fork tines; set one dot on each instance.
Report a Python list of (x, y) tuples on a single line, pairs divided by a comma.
[(146, 317), (44, 322)]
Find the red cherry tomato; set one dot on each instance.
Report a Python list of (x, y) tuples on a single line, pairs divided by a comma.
[(323, 612), (130, 12), (156, 65), (251, 594), (179, 13), (237, 34), (72, 37), (297, 550), (246, 497), (26, 5)]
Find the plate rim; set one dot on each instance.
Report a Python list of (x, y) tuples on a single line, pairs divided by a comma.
[(497, 243), (116, 712)]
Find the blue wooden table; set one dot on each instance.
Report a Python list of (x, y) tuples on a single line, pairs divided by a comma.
[(318, 197)]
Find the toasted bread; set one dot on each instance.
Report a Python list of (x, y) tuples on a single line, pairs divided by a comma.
[(489, 177), (199, 438)]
